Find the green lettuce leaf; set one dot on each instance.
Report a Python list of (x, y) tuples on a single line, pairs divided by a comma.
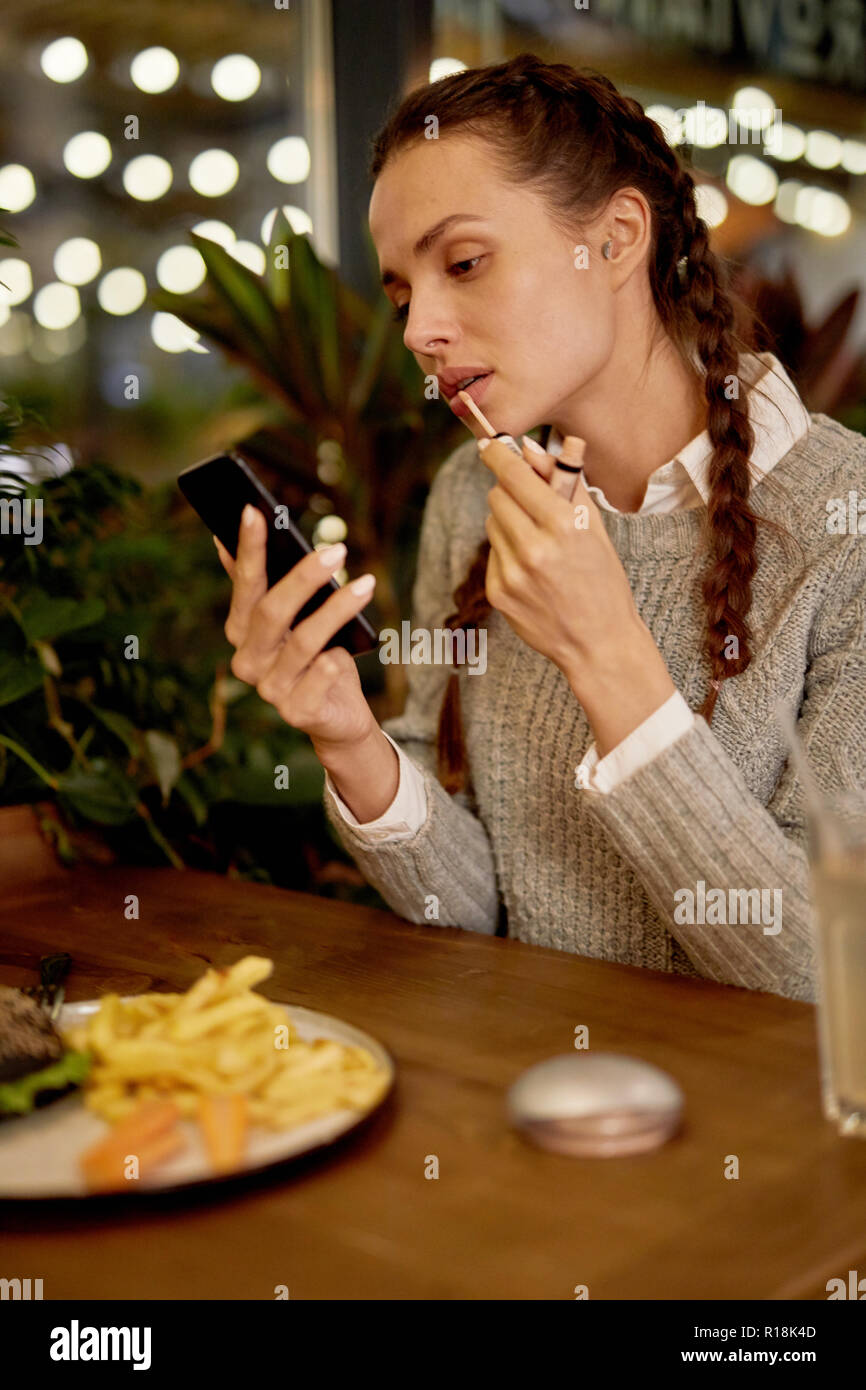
[(18, 1097)]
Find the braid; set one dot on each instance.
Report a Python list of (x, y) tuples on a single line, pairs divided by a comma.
[(576, 139), (731, 523), (472, 607)]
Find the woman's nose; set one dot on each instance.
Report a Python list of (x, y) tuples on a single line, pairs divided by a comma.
[(425, 332)]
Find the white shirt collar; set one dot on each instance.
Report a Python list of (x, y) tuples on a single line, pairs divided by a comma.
[(777, 415)]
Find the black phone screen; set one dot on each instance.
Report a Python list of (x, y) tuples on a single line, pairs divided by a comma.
[(219, 488)]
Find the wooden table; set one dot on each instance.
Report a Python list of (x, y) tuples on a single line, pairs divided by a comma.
[(462, 1014)]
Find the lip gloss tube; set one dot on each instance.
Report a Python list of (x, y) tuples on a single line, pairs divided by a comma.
[(568, 465)]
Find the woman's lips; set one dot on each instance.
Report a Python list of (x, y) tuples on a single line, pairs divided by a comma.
[(476, 391)]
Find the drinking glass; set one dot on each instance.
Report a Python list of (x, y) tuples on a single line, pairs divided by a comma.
[(837, 859)]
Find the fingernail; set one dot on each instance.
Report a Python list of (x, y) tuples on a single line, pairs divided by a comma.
[(532, 445), (482, 444), (332, 554), (363, 585), (247, 518)]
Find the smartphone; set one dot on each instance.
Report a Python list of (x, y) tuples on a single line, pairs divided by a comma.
[(219, 488)]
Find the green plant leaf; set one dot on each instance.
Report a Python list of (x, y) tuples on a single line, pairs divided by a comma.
[(242, 290), (19, 676), (164, 757), (372, 356), (45, 618), (190, 793), (277, 276), (28, 758), (314, 312), (121, 727), (253, 784), (99, 792)]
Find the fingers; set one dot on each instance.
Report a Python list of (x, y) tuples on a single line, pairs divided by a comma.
[(299, 699), (226, 560), (525, 486), (270, 635), (562, 482), (273, 615), (311, 634), (541, 461), (248, 575)]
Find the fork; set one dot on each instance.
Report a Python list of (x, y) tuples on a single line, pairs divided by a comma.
[(51, 990)]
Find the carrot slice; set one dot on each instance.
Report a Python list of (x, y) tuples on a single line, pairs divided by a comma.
[(141, 1133), (108, 1172), (223, 1120)]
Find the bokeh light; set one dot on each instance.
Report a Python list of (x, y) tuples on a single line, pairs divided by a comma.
[(236, 77), (853, 157), (147, 177), (17, 279), (823, 149), (213, 173), (180, 269), (64, 60), (77, 261), (250, 254), (56, 305), (786, 142), (753, 107), (17, 188), (122, 291), (298, 220), (87, 154), (154, 69), (751, 180), (668, 119), (711, 203), (220, 232), (171, 334), (444, 67), (289, 159)]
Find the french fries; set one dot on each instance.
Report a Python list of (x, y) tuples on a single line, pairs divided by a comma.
[(220, 1054)]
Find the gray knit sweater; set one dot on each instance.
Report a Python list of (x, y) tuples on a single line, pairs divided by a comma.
[(719, 809)]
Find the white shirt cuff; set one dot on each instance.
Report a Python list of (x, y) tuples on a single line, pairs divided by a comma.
[(407, 811), (669, 722)]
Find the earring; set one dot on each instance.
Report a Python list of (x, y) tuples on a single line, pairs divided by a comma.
[(606, 250)]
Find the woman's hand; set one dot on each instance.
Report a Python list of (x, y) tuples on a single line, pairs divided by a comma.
[(554, 573), (557, 579), (313, 690)]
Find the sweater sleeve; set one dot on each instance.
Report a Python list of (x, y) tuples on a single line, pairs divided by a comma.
[(443, 875), (689, 817)]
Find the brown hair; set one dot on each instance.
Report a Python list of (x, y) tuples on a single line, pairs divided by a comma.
[(576, 140)]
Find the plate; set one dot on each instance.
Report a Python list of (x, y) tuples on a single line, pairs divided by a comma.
[(39, 1153)]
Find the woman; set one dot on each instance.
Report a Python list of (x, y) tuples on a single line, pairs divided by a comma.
[(614, 782)]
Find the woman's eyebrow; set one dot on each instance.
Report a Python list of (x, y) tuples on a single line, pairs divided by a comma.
[(425, 242)]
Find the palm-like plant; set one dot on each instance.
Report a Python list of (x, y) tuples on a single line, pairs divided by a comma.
[(828, 370), (347, 390)]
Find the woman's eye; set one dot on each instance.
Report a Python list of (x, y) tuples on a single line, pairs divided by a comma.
[(401, 313), (458, 263)]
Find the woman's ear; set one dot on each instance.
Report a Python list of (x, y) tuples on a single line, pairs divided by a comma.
[(628, 221)]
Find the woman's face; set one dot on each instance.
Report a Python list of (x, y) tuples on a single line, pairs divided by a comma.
[(505, 292)]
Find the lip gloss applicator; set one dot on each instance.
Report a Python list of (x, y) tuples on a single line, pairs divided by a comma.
[(567, 465), (507, 439)]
